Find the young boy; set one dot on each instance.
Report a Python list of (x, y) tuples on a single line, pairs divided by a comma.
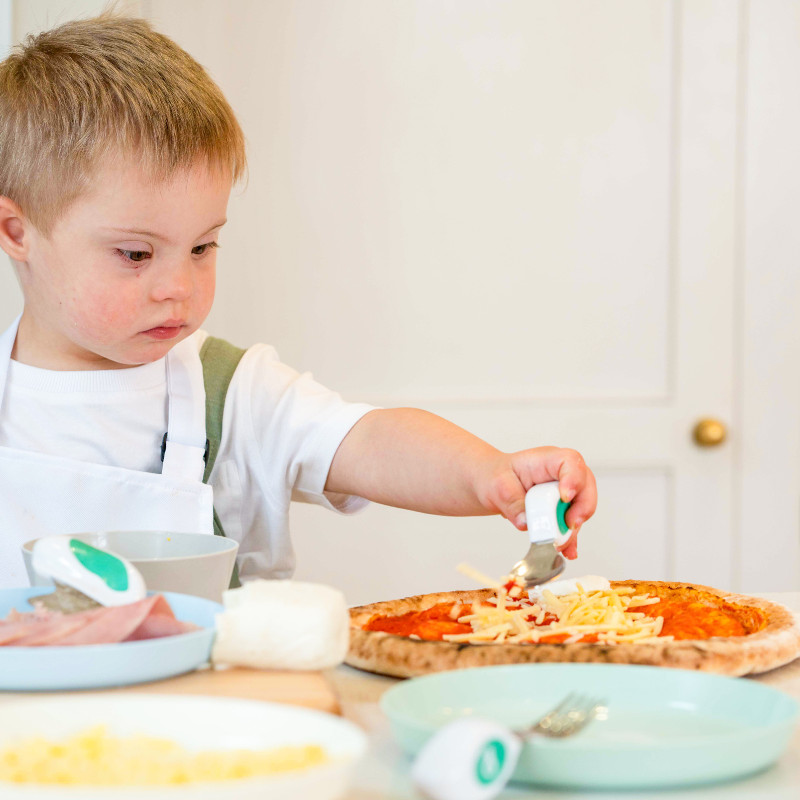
[(117, 158)]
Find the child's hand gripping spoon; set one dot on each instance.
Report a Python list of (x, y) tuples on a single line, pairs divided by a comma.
[(97, 577), (547, 529)]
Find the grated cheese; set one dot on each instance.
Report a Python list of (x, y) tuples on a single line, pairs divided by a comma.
[(510, 616)]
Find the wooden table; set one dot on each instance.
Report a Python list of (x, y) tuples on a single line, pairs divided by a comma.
[(384, 774)]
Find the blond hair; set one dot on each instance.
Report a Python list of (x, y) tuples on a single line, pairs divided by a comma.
[(100, 88)]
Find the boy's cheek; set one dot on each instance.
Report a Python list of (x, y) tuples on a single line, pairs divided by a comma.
[(106, 313), (205, 290), (103, 316)]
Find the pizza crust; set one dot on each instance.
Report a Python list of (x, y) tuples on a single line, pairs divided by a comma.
[(773, 646)]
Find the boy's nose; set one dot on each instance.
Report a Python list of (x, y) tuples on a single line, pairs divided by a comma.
[(175, 283)]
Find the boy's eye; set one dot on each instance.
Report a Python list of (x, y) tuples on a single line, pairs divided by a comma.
[(136, 255), (202, 249)]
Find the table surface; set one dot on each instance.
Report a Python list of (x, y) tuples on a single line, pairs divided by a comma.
[(384, 774)]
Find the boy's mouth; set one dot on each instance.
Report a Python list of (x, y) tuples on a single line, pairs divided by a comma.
[(169, 330)]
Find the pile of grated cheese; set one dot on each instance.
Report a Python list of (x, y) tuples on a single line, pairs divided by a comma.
[(512, 616), (95, 758)]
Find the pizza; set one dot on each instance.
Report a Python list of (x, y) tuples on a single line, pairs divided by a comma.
[(651, 623)]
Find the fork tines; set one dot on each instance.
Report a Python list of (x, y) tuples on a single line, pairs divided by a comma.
[(572, 714)]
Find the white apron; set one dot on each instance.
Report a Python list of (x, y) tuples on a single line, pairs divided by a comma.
[(42, 495)]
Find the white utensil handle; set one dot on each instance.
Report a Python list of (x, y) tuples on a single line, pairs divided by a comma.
[(59, 558), (545, 511), (468, 759)]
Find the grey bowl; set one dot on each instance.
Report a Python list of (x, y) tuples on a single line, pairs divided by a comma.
[(198, 564)]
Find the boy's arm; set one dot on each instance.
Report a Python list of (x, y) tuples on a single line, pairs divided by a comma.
[(412, 459)]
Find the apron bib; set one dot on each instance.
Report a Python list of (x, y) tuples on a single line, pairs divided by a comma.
[(42, 495)]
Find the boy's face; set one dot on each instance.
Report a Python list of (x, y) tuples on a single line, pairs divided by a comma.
[(127, 271)]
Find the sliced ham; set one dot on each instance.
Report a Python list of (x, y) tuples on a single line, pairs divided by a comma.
[(55, 629), (10, 632), (117, 623), (26, 616), (150, 618), (156, 626)]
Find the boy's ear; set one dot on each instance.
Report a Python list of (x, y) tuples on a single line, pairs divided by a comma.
[(13, 227)]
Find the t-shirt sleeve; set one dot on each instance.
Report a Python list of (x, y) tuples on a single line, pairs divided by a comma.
[(298, 425)]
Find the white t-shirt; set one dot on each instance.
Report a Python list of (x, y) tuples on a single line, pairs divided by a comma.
[(280, 432)]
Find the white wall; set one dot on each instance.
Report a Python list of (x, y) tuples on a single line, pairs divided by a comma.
[(10, 296), (6, 26), (31, 16)]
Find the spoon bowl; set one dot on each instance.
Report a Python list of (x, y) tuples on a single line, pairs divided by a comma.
[(541, 564)]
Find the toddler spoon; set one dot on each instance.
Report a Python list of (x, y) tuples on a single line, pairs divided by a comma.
[(547, 528)]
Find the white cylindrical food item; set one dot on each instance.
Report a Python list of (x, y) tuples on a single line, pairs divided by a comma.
[(285, 625)]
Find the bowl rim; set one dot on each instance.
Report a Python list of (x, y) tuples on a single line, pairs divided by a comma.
[(233, 545), (358, 736)]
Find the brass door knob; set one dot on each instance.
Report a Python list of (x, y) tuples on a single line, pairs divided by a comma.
[(709, 432)]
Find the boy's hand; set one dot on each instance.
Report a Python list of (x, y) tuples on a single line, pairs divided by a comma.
[(501, 486)]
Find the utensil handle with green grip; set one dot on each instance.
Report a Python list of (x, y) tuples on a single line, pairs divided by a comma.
[(106, 577), (468, 759), (545, 512)]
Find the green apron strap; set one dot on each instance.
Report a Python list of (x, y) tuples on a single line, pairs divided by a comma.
[(219, 359)]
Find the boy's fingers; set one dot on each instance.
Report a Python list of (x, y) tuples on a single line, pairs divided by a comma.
[(584, 504), (544, 464), (571, 475), (570, 549), (508, 496)]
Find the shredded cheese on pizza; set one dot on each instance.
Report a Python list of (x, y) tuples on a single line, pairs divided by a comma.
[(606, 615)]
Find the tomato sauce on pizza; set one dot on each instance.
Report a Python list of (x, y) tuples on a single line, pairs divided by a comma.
[(693, 619), (682, 619), (432, 624)]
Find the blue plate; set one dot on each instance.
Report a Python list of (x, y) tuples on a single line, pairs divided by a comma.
[(665, 727), (96, 666)]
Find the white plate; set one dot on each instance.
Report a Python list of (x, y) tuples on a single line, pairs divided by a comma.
[(95, 666), (196, 723)]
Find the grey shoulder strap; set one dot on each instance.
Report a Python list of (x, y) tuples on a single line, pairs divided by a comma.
[(220, 360)]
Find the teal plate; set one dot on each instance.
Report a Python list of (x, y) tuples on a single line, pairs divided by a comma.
[(665, 727), (96, 666)]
